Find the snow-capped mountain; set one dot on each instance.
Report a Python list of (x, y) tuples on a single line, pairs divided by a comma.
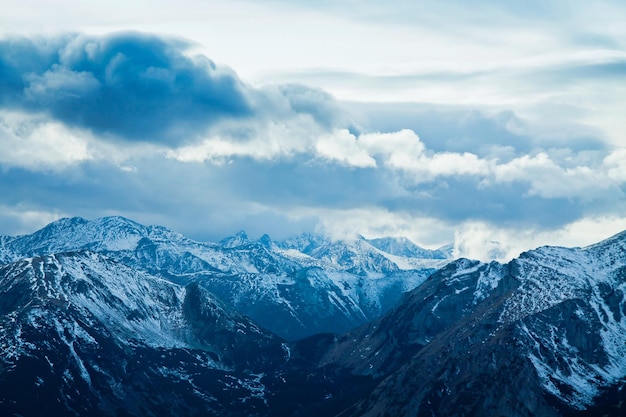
[(91, 331), (294, 288), (84, 335), (401, 246), (544, 335), (239, 239)]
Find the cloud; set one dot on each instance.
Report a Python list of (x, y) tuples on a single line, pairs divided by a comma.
[(282, 100), (291, 194), (127, 85), (21, 219), (263, 138), (616, 165), (135, 87), (486, 241), (373, 222), (343, 148), (487, 133), (137, 125), (36, 143), (549, 180)]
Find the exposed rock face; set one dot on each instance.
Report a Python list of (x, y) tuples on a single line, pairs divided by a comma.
[(82, 335), (544, 335)]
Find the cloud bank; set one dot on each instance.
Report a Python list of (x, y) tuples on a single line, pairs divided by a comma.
[(136, 124)]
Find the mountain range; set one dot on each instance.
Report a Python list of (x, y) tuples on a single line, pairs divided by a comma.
[(113, 318), (295, 288)]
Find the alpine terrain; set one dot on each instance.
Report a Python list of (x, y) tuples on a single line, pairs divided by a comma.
[(295, 288), (113, 318)]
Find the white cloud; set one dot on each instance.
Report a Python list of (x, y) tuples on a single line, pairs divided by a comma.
[(539, 175), (343, 147), (262, 141), (615, 163), (544, 176), (19, 219), (401, 149), (486, 242), (373, 222), (549, 180), (36, 143), (456, 164)]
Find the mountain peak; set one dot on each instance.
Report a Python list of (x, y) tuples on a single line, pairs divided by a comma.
[(76, 233), (465, 337), (65, 222), (305, 243), (402, 246), (117, 221), (238, 239), (266, 241)]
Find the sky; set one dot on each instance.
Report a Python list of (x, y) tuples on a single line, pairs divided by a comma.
[(494, 125)]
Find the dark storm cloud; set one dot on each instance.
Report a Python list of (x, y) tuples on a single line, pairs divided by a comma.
[(130, 85)]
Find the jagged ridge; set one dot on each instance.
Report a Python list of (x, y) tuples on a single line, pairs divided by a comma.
[(543, 335), (295, 288)]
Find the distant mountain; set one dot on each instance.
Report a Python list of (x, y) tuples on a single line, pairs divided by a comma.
[(239, 239), (295, 288), (401, 246)]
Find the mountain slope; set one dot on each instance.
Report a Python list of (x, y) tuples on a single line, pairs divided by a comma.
[(87, 336), (83, 334), (542, 335)]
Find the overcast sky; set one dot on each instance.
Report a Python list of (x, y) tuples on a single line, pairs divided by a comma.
[(497, 125)]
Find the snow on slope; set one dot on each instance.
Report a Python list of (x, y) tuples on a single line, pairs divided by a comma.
[(134, 307), (88, 336), (544, 334), (571, 308), (231, 255), (403, 247), (297, 287)]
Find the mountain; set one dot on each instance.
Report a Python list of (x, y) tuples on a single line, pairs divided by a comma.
[(295, 288), (84, 335), (239, 239), (401, 246), (544, 335), (92, 331)]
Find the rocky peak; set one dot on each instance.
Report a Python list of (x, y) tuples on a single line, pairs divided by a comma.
[(238, 239)]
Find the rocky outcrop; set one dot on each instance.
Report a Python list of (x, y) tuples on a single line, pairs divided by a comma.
[(544, 335)]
